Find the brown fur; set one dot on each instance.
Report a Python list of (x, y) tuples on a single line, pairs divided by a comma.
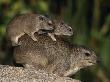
[(60, 57)]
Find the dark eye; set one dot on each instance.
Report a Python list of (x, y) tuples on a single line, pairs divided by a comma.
[(87, 54), (41, 18), (70, 29), (61, 23)]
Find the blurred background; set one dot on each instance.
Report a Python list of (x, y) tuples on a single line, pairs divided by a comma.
[(89, 18)]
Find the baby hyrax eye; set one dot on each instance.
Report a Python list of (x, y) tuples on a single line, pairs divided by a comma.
[(62, 23), (41, 18), (70, 29), (87, 54)]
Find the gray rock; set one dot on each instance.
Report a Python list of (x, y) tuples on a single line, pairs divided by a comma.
[(20, 74)]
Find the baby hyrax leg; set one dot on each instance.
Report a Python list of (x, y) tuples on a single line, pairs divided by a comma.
[(52, 36), (32, 36), (15, 39)]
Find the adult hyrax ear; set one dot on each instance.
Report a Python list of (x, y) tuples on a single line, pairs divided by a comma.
[(45, 19)]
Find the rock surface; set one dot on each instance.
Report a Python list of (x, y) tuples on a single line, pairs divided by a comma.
[(20, 74)]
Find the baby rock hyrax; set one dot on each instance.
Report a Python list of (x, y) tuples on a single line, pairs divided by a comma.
[(27, 24), (61, 29)]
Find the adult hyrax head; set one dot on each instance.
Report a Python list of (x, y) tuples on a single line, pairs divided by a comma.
[(81, 57)]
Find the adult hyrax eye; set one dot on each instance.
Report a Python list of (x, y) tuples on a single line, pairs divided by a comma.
[(87, 54)]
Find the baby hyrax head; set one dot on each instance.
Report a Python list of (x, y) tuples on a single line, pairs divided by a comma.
[(46, 24), (62, 28), (82, 57)]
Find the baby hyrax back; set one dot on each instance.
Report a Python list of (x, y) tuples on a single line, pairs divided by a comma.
[(27, 24), (61, 29)]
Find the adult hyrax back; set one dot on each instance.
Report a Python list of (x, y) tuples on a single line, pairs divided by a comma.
[(58, 57), (27, 24)]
